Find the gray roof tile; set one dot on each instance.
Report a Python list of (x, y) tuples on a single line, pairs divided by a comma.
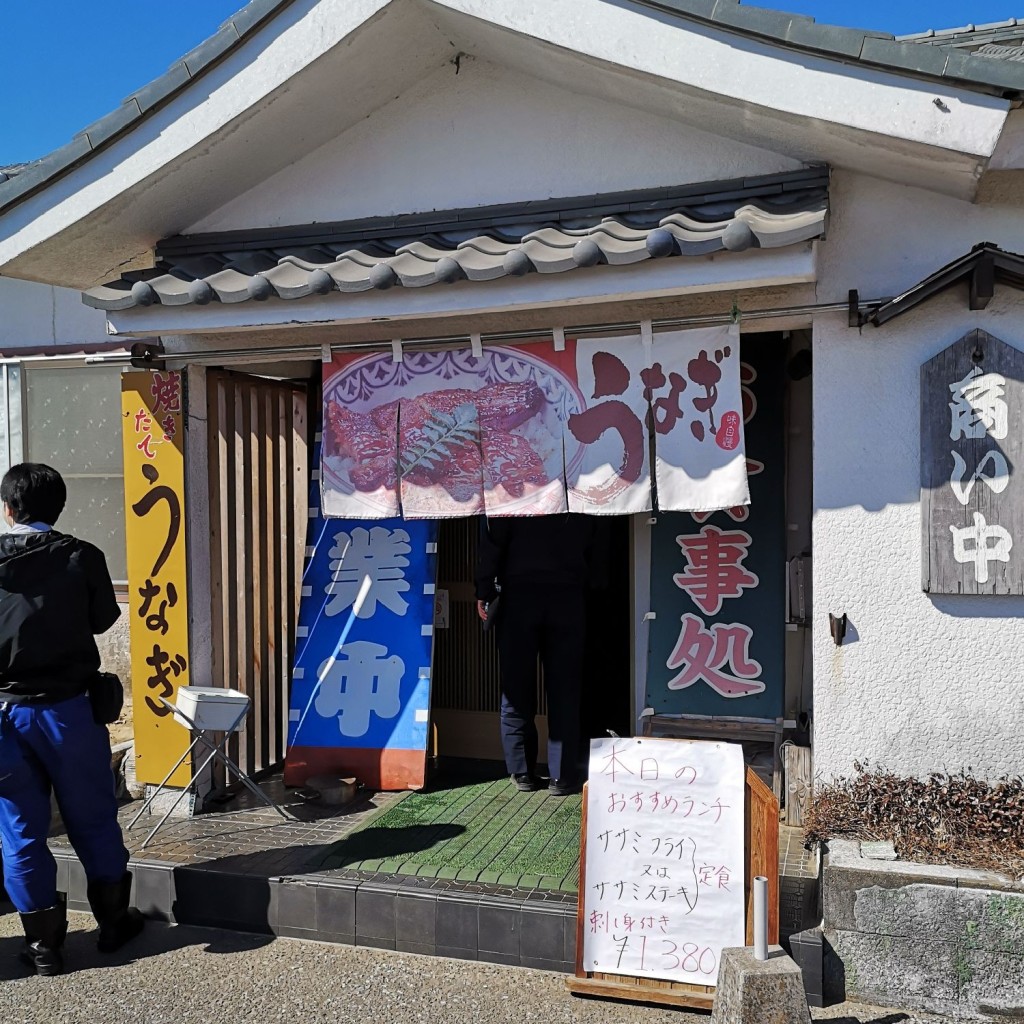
[(210, 50), (930, 60), (161, 88), (35, 174), (420, 250), (108, 126)]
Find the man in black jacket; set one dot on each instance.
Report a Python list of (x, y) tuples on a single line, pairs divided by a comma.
[(543, 565), (55, 594)]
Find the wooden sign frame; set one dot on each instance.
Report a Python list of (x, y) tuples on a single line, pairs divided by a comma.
[(761, 856)]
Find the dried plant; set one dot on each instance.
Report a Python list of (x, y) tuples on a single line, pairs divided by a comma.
[(942, 819)]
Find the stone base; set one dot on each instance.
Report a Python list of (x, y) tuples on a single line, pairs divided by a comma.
[(759, 991)]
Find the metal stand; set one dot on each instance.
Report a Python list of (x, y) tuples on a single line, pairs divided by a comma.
[(217, 751)]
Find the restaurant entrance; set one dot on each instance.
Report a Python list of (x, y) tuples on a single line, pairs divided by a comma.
[(466, 682)]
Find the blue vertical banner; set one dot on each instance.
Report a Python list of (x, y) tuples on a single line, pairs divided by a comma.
[(718, 580), (360, 694)]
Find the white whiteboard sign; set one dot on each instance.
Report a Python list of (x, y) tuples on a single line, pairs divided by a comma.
[(663, 886)]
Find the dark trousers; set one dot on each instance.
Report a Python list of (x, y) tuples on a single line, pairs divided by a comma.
[(58, 746), (549, 622)]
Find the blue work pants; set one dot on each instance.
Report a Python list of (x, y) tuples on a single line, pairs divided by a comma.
[(58, 747)]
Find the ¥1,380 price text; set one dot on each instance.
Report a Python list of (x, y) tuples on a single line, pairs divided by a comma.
[(642, 953)]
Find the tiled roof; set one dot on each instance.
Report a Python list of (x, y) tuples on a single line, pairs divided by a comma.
[(970, 37), (479, 244), (940, 61)]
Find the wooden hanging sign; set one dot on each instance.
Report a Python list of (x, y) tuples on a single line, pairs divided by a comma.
[(972, 445), (673, 833)]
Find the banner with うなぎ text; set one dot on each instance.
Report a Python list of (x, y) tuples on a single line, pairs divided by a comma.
[(360, 693), (697, 420), (154, 493), (530, 430)]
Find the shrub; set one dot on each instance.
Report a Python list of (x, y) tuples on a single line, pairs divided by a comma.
[(942, 819)]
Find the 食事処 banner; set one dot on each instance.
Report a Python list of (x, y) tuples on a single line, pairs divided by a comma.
[(529, 430)]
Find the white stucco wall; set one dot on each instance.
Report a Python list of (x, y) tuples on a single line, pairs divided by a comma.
[(922, 683), (34, 315), (487, 135)]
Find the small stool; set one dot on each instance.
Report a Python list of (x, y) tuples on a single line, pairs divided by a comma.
[(206, 710)]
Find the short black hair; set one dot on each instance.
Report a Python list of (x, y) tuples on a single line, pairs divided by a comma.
[(34, 493)]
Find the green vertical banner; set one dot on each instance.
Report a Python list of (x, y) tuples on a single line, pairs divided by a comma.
[(718, 580)]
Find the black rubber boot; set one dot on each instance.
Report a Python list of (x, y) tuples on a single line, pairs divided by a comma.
[(118, 922), (45, 931)]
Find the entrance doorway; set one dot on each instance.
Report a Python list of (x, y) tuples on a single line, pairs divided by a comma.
[(466, 693)]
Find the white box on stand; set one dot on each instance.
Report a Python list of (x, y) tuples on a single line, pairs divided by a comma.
[(211, 707)]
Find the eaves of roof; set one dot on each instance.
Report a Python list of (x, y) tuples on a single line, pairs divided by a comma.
[(479, 244), (981, 269), (797, 32), (851, 45), (140, 104)]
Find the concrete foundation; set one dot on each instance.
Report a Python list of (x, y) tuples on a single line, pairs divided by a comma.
[(946, 940), (753, 991)]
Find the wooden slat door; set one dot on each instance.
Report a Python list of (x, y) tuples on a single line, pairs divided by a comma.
[(466, 700), (259, 475)]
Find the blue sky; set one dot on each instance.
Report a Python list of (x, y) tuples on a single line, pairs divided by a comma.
[(66, 63)]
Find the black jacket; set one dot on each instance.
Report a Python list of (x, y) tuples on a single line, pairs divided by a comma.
[(55, 593), (540, 551)]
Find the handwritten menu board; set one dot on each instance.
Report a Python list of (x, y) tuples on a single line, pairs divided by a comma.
[(663, 884)]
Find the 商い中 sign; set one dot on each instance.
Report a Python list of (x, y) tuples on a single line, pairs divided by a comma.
[(972, 440), (662, 889)]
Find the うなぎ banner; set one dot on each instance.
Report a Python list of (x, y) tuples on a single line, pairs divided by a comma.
[(530, 430)]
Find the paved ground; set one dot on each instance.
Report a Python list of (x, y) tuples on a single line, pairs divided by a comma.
[(180, 975)]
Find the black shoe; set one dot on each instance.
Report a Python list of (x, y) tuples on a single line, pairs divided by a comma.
[(118, 922), (525, 783), (562, 787), (45, 931)]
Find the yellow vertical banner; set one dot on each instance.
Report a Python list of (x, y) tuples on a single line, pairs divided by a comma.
[(154, 493)]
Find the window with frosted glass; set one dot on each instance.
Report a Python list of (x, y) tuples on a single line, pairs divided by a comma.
[(72, 421)]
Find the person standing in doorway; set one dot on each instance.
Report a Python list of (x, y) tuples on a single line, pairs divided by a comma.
[(55, 594), (541, 566)]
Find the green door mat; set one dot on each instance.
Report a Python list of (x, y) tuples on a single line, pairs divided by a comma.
[(477, 832)]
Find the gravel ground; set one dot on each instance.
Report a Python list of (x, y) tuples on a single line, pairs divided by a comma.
[(179, 975)]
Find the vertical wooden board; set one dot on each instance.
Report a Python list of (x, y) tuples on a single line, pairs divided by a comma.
[(239, 639), (582, 888), (215, 443), (272, 598), (259, 646), (762, 840), (298, 510), (1001, 508), (797, 762), (291, 584)]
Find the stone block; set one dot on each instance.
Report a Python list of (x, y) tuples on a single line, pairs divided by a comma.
[(846, 874), (753, 991), (888, 970), (1001, 925), (991, 984), (884, 850), (919, 911)]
